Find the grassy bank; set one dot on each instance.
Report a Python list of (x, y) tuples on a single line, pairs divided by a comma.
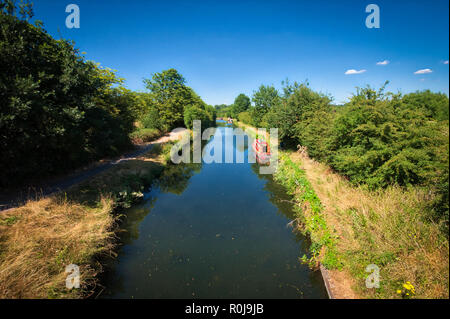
[(352, 227), (38, 240), (251, 131), (144, 135)]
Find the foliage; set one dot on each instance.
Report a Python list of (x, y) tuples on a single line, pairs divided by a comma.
[(245, 117), (212, 112), (220, 107), (388, 227), (441, 202), (195, 112), (377, 139), (171, 103), (151, 119), (299, 106), (223, 110), (432, 105), (22, 10), (169, 96), (144, 135), (265, 99), (58, 110), (241, 104), (323, 241)]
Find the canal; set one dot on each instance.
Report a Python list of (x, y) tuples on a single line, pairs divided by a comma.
[(213, 231)]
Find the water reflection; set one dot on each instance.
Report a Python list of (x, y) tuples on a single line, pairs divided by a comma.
[(213, 231)]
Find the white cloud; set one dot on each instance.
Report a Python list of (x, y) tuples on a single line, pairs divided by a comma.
[(385, 62), (446, 62), (423, 71), (354, 71)]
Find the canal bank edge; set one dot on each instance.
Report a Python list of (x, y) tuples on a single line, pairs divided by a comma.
[(337, 283), (311, 221), (104, 206), (326, 280), (86, 217), (375, 228)]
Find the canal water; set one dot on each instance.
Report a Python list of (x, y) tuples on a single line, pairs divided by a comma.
[(213, 231)]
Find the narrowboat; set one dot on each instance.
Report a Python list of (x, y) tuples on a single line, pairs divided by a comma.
[(262, 151)]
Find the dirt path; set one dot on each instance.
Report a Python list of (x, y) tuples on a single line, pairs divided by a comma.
[(21, 196), (339, 283)]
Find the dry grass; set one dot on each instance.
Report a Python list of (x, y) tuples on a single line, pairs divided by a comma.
[(38, 240), (387, 228), (43, 237)]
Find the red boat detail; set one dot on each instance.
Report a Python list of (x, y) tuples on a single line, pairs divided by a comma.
[(262, 151)]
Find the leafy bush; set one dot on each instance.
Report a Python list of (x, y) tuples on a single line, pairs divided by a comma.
[(144, 135), (377, 139), (245, 117), (241, 104), (266, 98), (432, 105), (151, 120), (195, 112), (298, 106), (380, 140), (58, 110), (169, 100), (223, 111)]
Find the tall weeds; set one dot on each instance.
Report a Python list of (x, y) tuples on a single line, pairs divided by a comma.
[(387, 227)]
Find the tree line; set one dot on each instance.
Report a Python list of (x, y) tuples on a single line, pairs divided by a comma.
[(377, 139), (60, 111)]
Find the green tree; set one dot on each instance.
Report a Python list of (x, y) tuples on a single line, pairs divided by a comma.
[(212, 112), (433, 105), (224, 112), (245, 117), (58, 110), (194, 112), (241, 104), (22, 10), (220, 107), (265, 99), (169, 96), (380, 140), (298, 104)]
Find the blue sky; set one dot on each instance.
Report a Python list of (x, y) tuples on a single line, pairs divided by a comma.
[(224, 48)]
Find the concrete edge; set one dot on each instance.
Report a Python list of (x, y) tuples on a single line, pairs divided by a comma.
[(326, 280)]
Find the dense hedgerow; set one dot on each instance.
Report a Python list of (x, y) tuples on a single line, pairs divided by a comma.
[(58, 111), (245, 117), (171, 103), (376, 139), (382, 140)]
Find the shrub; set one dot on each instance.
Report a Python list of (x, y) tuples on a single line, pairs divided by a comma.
[(151, 120), (145, 135), (380, 140), (58, 110), (194, 112), (245, 117)]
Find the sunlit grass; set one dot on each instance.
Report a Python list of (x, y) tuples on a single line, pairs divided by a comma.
[(389, 228), (39, 239)]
